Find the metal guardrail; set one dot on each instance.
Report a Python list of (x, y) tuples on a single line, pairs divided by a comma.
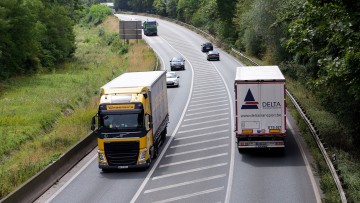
[(314, 132), (38, 184)]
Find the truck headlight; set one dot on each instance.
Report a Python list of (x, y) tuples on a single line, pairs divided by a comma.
[(101, 157), (143, 154)]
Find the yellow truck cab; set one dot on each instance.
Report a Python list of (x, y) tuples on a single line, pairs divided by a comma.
[(132, 120)]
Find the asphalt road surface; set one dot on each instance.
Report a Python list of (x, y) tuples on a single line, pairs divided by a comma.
[(199, 161)]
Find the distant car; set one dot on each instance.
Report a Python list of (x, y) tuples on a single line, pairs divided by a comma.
[(177, 63), (213, 55), (207, 46), (172, 79)]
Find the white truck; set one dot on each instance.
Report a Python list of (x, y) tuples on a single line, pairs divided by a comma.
[(260, 107), (132, 120)]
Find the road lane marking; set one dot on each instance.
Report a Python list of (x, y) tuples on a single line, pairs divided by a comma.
[(185, 183), (206, 82), (205, 122), (200, 135), (307, 164), (196, 150), (211, 90), (209, 107), (190, 195), (207, 93), (220, 114), (207, 103), (189, 171), (232, 157), (192, 130), (212, 96), (207, 88), (191, 114), (192, 160), (204, 100), (199, 142), (147, 178)]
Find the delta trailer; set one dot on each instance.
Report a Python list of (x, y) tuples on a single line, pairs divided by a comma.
[(260, 107)]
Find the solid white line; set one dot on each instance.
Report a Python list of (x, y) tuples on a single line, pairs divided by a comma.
[(307, 164), (200, 142), (186, 131), (191, 114), (222, 119), (185, 183), (192, 160), (71, 179), (200, 135), (189, 171), (209, 107), (190, 195), (207, 103), (197, 150), (221, 114), (142, 186), (232, 157), (208, 93)]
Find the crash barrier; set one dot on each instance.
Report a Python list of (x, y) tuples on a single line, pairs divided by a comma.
[(38, 184)]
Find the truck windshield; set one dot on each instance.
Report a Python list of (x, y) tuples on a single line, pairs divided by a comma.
[(151, 25), (122, 121)]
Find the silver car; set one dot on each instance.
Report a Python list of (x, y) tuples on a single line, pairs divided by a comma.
[(172, 79), (177, 63)]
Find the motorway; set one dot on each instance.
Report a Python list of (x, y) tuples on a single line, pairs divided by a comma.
[(199, 161)]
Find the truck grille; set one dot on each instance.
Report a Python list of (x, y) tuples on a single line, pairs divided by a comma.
[(121, 153)]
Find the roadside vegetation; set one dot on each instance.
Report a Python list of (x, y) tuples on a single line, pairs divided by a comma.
[(44, 114), (317, 46)]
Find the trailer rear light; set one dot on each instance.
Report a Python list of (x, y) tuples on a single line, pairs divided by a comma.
[(247, 131), (279, 143)]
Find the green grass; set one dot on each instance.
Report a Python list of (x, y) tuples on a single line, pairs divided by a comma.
[(43, 115), (329, 128)]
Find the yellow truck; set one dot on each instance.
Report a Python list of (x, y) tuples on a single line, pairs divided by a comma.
[(132, 120)]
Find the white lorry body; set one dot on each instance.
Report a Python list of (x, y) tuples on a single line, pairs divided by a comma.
[(260, 107), (155, 81)]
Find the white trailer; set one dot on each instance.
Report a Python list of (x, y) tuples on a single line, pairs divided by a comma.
[(260, 107)]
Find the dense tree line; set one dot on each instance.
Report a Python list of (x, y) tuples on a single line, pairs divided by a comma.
[(315, 42), (38, 34), (35, 34)]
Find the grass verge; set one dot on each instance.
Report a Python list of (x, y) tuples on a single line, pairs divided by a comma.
[(347, 163), (43, 115)]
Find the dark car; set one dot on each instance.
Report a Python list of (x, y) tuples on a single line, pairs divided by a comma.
[(207, 46), (177, 63), (213, 55)]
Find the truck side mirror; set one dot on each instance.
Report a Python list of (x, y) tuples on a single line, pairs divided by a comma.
[(93, 123)]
